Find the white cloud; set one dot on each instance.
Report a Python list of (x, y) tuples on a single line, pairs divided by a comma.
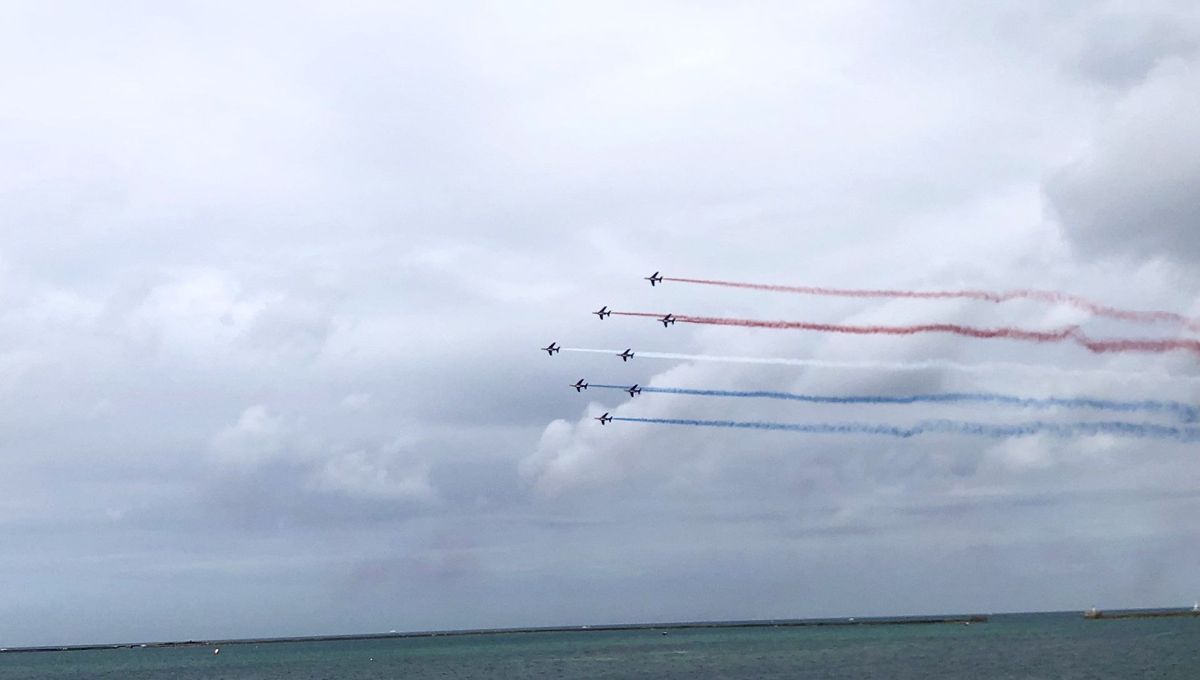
[(258, 437), (381, 475)]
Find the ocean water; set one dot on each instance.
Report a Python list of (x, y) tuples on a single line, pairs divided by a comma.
[(1009, 647)]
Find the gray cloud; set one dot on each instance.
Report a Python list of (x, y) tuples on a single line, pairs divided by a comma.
[(1121, 45), (1133, 194)]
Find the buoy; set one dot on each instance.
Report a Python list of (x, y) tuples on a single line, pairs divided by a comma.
[(217, 650)]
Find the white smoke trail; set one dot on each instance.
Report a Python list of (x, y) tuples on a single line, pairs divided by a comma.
[(940, 364)]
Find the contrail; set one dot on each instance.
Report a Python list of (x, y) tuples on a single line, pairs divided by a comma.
[(1028, 429), (1186, 412), (937, 364), (1046, 296), (1066, 333)]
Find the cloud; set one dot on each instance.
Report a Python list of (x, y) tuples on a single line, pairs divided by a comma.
[(1120, 46), (257, 437), (265, 448), (1132, 193), (381, 475)]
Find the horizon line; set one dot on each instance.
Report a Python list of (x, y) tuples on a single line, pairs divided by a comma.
[(903, 619)]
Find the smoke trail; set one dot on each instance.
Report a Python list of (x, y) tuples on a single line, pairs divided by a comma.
[(1115, 428), (1066, 333), (1047, 296), (1186, 412), (931, 364)]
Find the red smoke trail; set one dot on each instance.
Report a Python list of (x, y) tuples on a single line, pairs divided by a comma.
[(1047, 296), (1065, 333)]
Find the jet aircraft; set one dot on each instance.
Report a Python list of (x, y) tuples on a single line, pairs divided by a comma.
[(634, 391), (604, 311), (581, 385), (551, 349), (604, 419), (626, 355), (667, 320), (653, 279)]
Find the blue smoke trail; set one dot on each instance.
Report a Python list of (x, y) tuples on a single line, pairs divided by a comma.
[(1186, 412), (1117, 428)]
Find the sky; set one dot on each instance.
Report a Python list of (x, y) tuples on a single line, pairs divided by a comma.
[(273, 277)]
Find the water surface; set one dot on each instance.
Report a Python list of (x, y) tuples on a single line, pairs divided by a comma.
[(1009, 647)]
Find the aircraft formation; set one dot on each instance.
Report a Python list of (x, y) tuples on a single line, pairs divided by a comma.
[(1185, 414)]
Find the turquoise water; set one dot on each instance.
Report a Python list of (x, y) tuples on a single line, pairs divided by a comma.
[(1009, 647)]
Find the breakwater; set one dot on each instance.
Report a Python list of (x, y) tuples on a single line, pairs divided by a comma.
[(663, 627), (1141, 614)]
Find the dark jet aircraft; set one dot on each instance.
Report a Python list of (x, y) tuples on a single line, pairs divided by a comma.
[(667, 320), (551, 349), (634, 391), (604, 311), (626, 355), (581, 385), (604, 419), (653, 279)]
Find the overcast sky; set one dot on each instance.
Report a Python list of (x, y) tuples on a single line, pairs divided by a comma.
[(273, 278)]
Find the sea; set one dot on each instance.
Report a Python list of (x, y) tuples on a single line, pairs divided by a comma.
[(1006, 647)]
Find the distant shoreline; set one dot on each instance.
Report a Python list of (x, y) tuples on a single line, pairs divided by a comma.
[(685, 625), (767, 623)]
